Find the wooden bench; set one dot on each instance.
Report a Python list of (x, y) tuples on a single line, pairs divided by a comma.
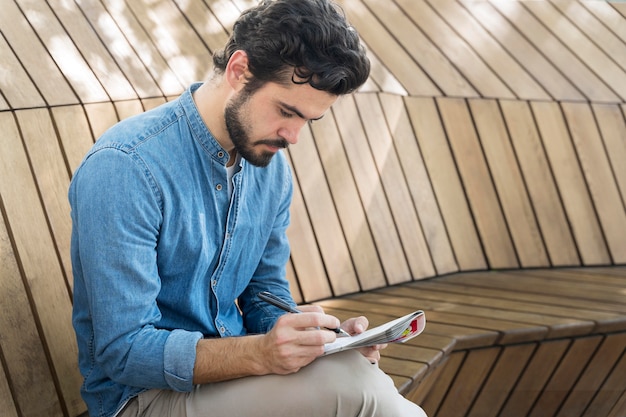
[(478, 175)]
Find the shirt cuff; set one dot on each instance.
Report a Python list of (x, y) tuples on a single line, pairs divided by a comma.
[(179, 358)]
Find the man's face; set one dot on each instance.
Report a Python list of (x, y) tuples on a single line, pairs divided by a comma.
[(263, 122)]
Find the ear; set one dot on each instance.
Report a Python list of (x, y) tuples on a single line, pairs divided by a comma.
[(237, 70)]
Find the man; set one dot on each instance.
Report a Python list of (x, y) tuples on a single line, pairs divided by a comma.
[(179, 219)]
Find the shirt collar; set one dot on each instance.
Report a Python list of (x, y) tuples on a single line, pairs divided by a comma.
[(198, 128)]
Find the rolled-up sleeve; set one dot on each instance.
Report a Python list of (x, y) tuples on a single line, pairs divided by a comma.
[(179, 359)]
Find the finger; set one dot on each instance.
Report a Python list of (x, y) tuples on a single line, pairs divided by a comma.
[(355, 325), (371, 354), (310, 308), (308, 320)]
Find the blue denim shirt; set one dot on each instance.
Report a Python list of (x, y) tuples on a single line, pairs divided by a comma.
[(162, 256)]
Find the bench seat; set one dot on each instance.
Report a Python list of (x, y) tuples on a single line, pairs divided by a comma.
[(507, 342)]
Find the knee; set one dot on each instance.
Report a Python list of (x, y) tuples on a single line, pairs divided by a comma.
[(362, 389)]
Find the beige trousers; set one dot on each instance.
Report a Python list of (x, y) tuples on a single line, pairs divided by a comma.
[(341, 385)]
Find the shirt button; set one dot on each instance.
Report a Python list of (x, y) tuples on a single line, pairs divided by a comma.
[(213, 282), (218, 187), (220, 154), (222, 329)]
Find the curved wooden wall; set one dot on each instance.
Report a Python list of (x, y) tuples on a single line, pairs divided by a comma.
[(491, 135)]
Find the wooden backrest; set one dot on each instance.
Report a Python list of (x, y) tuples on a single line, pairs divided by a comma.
[(485, 138)]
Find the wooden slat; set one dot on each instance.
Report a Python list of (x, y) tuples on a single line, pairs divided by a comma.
[(565, 60), (409, 371), (389, 171), (523, 50), (571, 184), (516, 78), (294, 286), (599, 177), (39, 262), (48, 78), (608, 397), (380, 75), (536, 375), (620, 407), (74, 135), (564, 377), (542, 190), (6, 401), (228, 11), (13, 74), (166, 26), (446, 183), (542, 284), (3, 104), (511, 329), (384, 46), (27, 368), (321, 212), (419, 185), (509, 183), (602, 65), (411, 352), (519, 322), (52, 178), (596, 371), (468, 381), (501, 380), (144, 48), (613, 130), (609, 276), (101, 116), (525, 287), (305, 257), (595, 29), (460, 54), (120, 49), (420, 48), (205, 23), (418, 394), (608, 15), (371, 192), (151, 103), (437, 393), (93, 51), (516, 324), (465, 293), (64, 52), (346, 198), (478, 185), (128, 108)]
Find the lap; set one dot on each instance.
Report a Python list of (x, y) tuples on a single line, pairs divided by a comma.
[(343, 384)]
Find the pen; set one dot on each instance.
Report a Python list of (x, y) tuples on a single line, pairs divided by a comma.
[(270, 298)]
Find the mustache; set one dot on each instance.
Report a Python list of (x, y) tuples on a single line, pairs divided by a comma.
[(279, 143)]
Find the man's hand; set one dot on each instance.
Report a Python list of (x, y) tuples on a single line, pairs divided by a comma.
[(297, 339), (357, 325)]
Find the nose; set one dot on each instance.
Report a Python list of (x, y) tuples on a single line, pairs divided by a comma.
[(291, 133)]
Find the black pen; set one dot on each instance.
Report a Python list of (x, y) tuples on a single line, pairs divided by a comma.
[(278, 302)]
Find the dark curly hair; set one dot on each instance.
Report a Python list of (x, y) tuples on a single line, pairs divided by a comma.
[(300, 41)]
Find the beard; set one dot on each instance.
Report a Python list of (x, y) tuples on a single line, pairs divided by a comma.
[(239, 131)]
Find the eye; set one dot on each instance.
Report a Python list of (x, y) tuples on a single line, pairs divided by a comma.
[(285, 114)]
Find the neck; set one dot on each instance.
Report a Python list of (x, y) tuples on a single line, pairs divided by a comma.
[(233, 157), (210, 99)]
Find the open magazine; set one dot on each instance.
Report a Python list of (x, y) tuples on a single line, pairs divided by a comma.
[(396, 331)]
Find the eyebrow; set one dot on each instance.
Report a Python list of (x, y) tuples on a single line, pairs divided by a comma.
[(298, 112)]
